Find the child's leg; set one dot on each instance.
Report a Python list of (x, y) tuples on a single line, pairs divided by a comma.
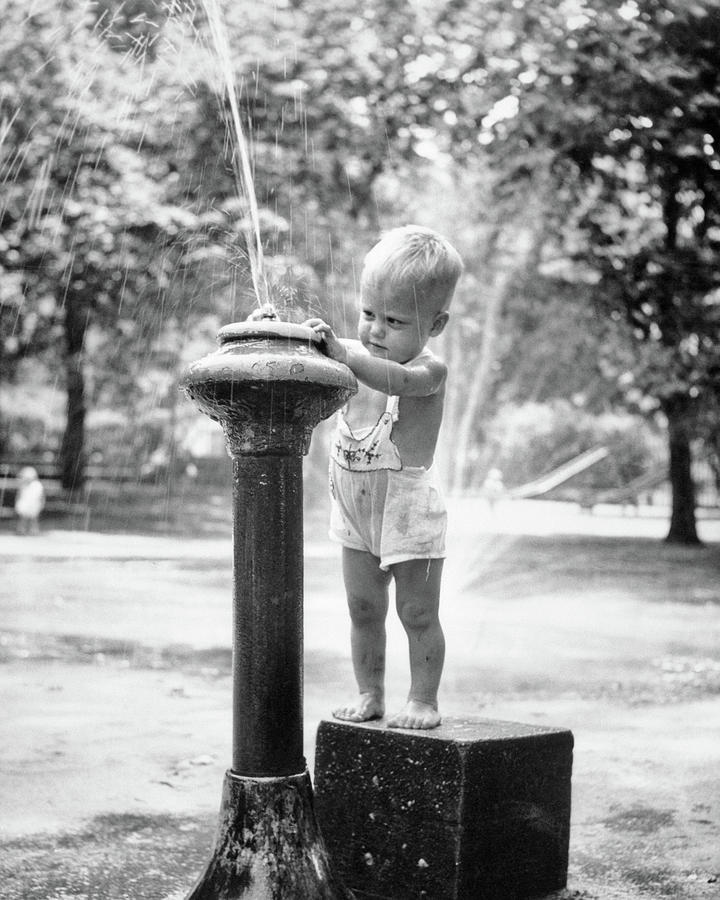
[(417, 589), (367, 596)]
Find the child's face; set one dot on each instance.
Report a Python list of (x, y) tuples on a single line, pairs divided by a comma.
[(393, 328)]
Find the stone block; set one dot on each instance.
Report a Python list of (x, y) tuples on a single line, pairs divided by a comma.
[(476, 809)]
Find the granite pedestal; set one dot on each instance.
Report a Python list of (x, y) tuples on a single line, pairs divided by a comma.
[(476, 809)]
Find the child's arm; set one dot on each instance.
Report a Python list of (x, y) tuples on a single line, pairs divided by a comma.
[(417, 379)]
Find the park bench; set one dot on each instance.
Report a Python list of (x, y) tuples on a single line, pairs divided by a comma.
[(629, 494), (57, 499), (48, 473)]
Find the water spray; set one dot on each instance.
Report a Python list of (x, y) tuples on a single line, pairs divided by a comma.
[(241, 159)]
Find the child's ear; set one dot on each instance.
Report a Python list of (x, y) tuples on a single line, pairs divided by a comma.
[(441, 320)]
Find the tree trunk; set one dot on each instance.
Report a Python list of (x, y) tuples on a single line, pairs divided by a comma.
[(678, 410), (476, 393), (505, 257), (72, 449)]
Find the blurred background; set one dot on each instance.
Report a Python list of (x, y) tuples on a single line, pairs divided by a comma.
[(568, 149)]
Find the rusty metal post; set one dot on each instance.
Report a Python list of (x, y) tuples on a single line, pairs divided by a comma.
[(268, 385)]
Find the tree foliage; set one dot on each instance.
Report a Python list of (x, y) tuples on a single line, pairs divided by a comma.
[(79, 203), (568, 148), (618, 104), (101, 233)]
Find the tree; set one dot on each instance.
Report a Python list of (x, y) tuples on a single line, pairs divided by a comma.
[(618, 103), (121, 195), (79, 203), (98, 233)]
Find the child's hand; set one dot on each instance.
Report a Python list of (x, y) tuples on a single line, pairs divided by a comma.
[(332, 345)]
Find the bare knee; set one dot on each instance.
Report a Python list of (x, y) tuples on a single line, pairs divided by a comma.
[(417, 616), (365, 610)]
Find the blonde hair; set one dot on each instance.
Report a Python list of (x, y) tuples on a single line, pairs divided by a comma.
[(418, 264)]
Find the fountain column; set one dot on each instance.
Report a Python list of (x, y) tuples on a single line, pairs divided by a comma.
[(268, 385)]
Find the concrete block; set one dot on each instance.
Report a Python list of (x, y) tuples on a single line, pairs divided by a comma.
[(476, 809)]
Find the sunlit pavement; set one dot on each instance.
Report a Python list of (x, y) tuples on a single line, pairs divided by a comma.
[(116, 698)]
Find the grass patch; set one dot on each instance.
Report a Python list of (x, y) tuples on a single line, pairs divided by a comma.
[(506, 565)]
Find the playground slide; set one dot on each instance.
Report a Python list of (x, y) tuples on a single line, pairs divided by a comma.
[(567, 470)]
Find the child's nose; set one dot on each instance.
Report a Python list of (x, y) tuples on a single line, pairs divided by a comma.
[(378, 328)]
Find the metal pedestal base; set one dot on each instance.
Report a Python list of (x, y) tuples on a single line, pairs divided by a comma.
[(268, 845)]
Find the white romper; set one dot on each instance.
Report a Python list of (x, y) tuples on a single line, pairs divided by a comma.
[(378, 505)]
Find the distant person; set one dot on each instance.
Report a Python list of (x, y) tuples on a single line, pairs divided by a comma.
[(493, 488), (387, 510), (29, 501)]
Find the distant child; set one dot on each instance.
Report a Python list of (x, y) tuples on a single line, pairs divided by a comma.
[(387, 510), (29, 501), (493, 488)]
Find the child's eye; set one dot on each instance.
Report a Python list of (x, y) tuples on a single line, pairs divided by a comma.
[(367, 314), (396, 323)]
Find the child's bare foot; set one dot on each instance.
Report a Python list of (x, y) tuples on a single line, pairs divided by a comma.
[(368, 706), (416, 714)]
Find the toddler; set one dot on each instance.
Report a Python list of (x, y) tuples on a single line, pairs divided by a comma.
[(387, 510), (29, 501)]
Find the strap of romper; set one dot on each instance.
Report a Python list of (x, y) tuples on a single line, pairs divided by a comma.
[(393, 406)]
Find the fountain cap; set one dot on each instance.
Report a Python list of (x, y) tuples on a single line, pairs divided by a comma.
[(266, 328), (269, 384)]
